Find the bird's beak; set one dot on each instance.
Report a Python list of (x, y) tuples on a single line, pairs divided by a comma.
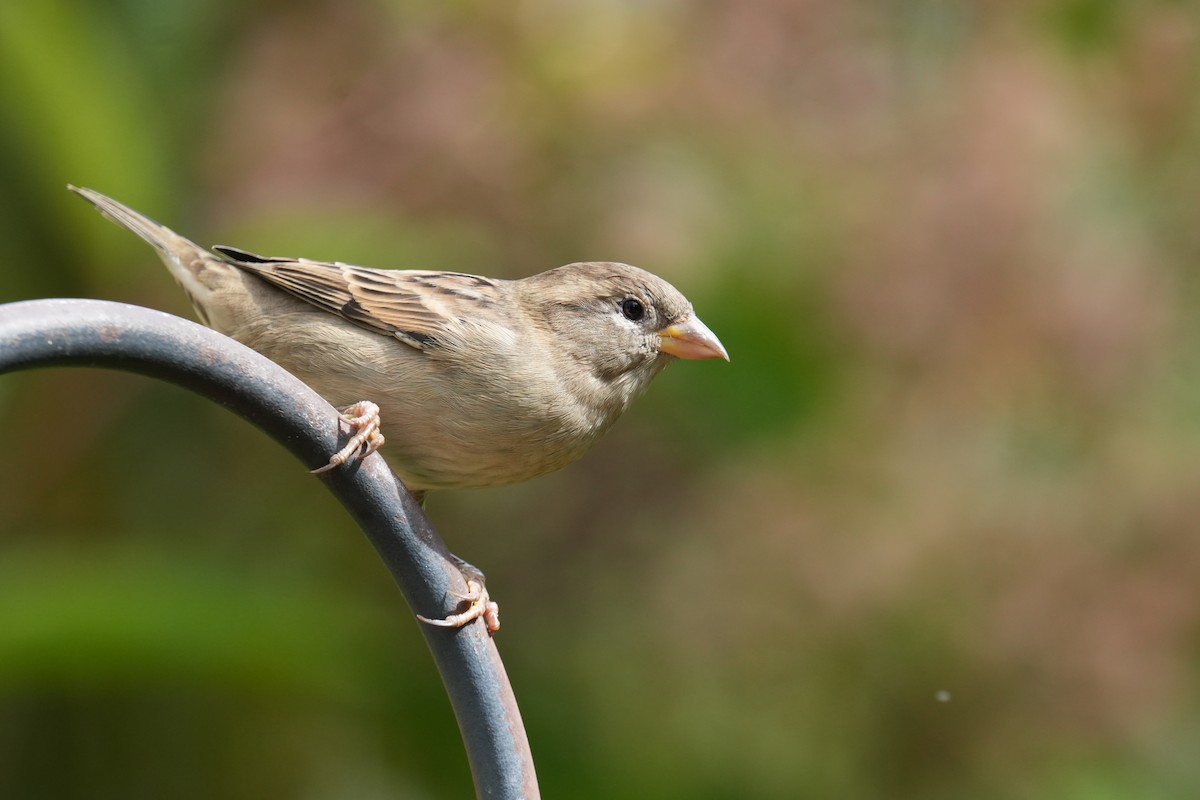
[(691, 339)]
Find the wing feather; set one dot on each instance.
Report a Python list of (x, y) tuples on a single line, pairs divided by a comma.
[(414, 306)]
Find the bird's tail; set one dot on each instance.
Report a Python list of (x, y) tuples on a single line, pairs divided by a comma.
[(195, 269)]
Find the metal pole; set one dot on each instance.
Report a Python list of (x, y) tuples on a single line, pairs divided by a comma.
[(44, 333)]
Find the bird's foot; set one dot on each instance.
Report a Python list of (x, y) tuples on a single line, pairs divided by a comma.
[(479, 606), (363, 419)]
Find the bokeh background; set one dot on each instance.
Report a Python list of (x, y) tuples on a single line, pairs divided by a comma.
[(933, 533)]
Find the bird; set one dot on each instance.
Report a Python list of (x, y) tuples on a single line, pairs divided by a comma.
[(484, 381)]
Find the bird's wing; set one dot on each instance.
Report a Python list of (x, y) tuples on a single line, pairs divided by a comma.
[(414, 306)]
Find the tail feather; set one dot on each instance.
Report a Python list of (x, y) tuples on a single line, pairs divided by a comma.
[(159, 236), (195, 269)]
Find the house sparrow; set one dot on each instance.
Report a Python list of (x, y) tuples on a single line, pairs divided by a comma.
[(494, 381)]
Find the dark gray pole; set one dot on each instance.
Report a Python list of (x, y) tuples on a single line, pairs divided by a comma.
[(44, 333)]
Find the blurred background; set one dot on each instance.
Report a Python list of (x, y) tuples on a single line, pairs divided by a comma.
[(931, 534)]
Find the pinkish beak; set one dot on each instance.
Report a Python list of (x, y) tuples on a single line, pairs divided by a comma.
[(691, 339)]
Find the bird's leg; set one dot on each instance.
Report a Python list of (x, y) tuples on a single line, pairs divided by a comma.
[(479, 603), (363, 419), (480, 606)]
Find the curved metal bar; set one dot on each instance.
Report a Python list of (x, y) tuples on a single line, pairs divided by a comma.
[(42, 333)]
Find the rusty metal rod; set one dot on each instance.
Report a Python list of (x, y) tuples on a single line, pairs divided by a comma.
[(94, 333)]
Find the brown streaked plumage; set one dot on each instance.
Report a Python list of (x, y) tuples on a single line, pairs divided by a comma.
[(483, 381)]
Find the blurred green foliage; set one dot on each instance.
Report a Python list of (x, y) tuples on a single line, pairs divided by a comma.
[(931, 534)]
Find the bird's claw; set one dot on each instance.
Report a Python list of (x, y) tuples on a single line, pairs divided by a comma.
[(480, 606), (363, 419)]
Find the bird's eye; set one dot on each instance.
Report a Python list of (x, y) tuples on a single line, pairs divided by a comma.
[(632, 309)]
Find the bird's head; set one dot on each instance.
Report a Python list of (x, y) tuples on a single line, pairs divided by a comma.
[(619, 324)]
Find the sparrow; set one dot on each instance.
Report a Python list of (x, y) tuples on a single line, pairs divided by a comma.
[(495, 381)]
